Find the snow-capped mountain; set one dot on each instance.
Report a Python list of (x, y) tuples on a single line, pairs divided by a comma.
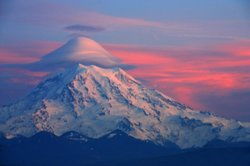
[(94, 101)]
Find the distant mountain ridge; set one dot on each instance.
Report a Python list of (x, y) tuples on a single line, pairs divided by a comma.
[(115, 148), (46, 148)]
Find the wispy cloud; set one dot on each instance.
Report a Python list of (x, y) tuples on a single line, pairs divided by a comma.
[(80, 19), (46, 13), (239, 48), (25, 51)]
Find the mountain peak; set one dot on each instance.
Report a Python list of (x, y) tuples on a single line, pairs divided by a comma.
[(97, 74)]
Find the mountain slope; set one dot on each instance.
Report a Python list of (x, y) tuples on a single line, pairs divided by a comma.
[(94, 101)]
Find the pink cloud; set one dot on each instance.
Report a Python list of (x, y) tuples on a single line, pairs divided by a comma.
[(239, 48), (26, 52), (185, 77), (10, 57), (23, 76), (25, 72)]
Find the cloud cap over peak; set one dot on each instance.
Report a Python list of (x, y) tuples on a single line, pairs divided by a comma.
[(77, 50)]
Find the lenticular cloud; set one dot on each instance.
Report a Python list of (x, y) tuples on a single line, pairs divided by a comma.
[(78, 50)]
